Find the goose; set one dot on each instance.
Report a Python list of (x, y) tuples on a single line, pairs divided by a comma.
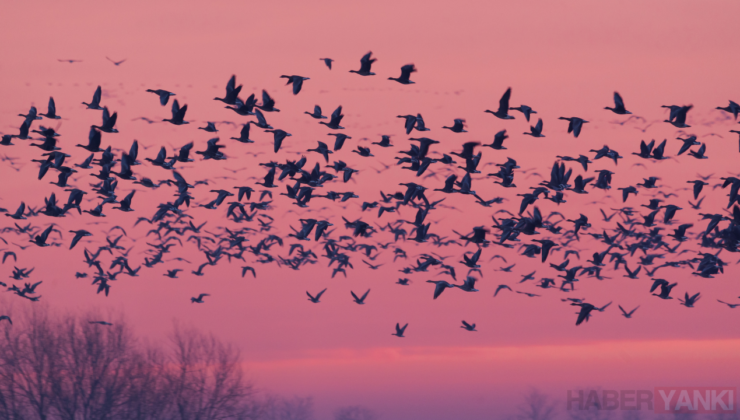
[(468, 327), (125, 204), (339, 141), (503, 107), (243, 135), (336, 118), (318, 296), (547, 245), (698, 186), (665, 288), (472, 262), (680, 117), (209, 128), (51, 112), (687, 143), (524, 109), (322, 149), (365, 63), (178, 114), (172, 273), (670, 212), (40, 240), (93, 141), (546, 283), (574, 125), (618, 105), (420, 123), (23, 131), (248, 268), (585, 313), (400, 330), (673, 111), (410, 122), (261, 121), (327, 61), (95, 103), (268, 179), (107, 324), (164, 96), (116, 63), (458, 126), (232, 92), (581, 222), (86, 163), (731, 305), (268, 104), (125, 172), (363, 151), (627, 191), (659, 152), (632, 274), (498, 141), (297, 82), (689, 301), (733, 108), (699, 154), (468, 285), (316, 113), (648, 182), (79, 234), (626, 314), (645, 149), (536, 131), (440, 286), (109, 122), (97, 211), (244, 107), (680, 233), (5, 317), (405, 75), (199, 299), (360, 300), (526, 277), (580, 184), (500, 288)]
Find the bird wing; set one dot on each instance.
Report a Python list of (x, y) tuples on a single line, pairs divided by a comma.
[(618, 102), (503, 103)]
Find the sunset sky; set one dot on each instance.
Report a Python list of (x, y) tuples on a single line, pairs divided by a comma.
[(563, 58)]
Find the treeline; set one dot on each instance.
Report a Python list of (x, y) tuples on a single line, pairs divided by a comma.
[(67, 367)]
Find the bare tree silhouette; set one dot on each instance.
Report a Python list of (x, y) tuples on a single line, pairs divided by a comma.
[(68, 368), (355, 412), (536, 406), (279, 408)]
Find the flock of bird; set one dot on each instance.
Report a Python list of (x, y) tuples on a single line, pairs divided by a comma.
[(637, 239)]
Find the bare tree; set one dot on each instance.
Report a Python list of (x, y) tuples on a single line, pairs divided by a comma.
[(355, 412), (67, 368), (280, 408), (93, 364), (206, 378), (536, 406), (592, 407), (29, 363)]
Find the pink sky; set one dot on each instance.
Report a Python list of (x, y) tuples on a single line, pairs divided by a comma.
[(562, 58)]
